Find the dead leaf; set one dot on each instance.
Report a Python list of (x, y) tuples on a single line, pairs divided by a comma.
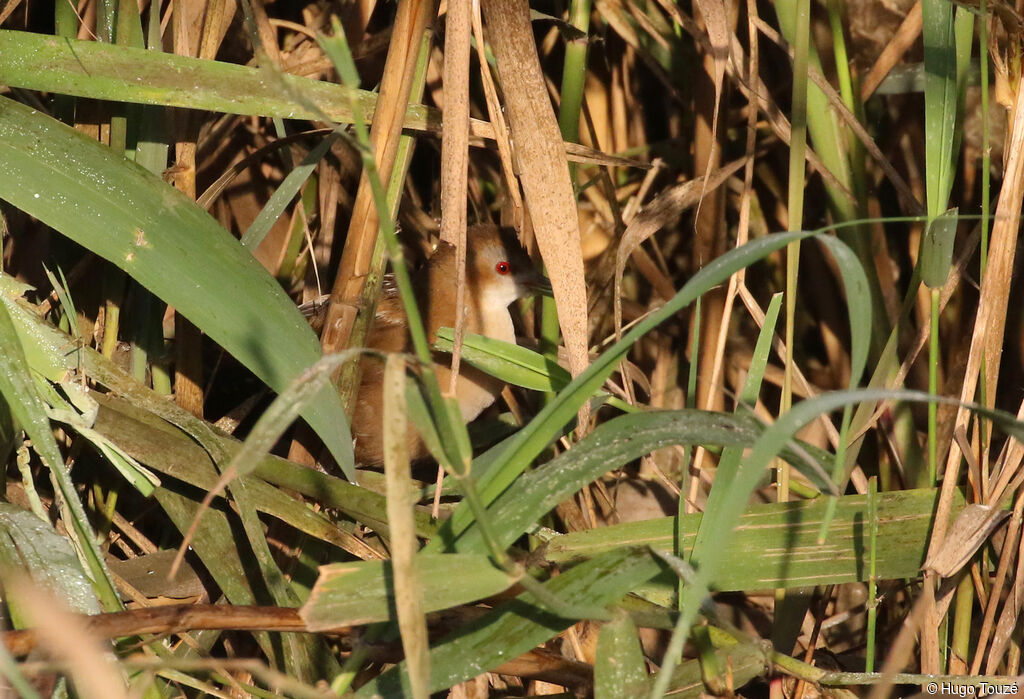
[(972, 527), (716, 21), (544, 171)]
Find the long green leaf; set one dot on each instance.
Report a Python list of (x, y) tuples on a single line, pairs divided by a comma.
[(162, 239), (285, 193), (31, 545), (101, 71), (612, 445), (776, 544), (509, 362), (19, 390), (619, 670), (362, 591), (119, 73), (520, 624), (947, 53)]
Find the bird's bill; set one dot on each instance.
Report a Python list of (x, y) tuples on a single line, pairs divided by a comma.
[(535, 283)]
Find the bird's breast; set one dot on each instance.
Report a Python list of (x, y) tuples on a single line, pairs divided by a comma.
[(491, 318), (499, 326), (476, 390)]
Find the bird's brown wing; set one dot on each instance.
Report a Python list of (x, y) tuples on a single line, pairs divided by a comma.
[(388, 332)]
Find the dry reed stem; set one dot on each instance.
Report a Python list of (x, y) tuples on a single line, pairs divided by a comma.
[(267, 34), (904, 38), (1008, 618), (1009, 475), (188, 25), (500, 128), (455, 158), (356, 15), (329, 181), (396, 85), (709, 229), (1010, 542), (986, 343), (218, 19), (401, 501), (9, 7), (716, 22), (743, 227), (709, 243), (544, 172), (169, 619)]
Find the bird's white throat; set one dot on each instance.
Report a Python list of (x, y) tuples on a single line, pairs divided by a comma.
[(491, 313)]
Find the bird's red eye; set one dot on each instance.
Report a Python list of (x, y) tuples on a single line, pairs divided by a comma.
[(502, 267)]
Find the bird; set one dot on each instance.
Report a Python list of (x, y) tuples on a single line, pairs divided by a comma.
[(498, 272)]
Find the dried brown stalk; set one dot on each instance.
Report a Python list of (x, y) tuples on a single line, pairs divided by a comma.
[(543, 170)]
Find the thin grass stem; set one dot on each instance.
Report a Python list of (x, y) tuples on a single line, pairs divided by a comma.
[(872, 603)]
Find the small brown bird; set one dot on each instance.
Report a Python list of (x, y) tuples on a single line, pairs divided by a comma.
[(498, 272)]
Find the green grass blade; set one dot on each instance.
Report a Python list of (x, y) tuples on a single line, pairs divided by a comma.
[(361, 592), (776, 544), (164, 241), (31, 545), (947, 52), (18, 388), (858, 303), (11, 672), (797, 182), (511, 363), (619, 670), (611, 445), (732, 457), (138, 476), (120, 73), (821, 122), (762, 351), (520, 625), (285, 193)]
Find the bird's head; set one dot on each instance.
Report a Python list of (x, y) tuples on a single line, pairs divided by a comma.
[(498, 270)]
